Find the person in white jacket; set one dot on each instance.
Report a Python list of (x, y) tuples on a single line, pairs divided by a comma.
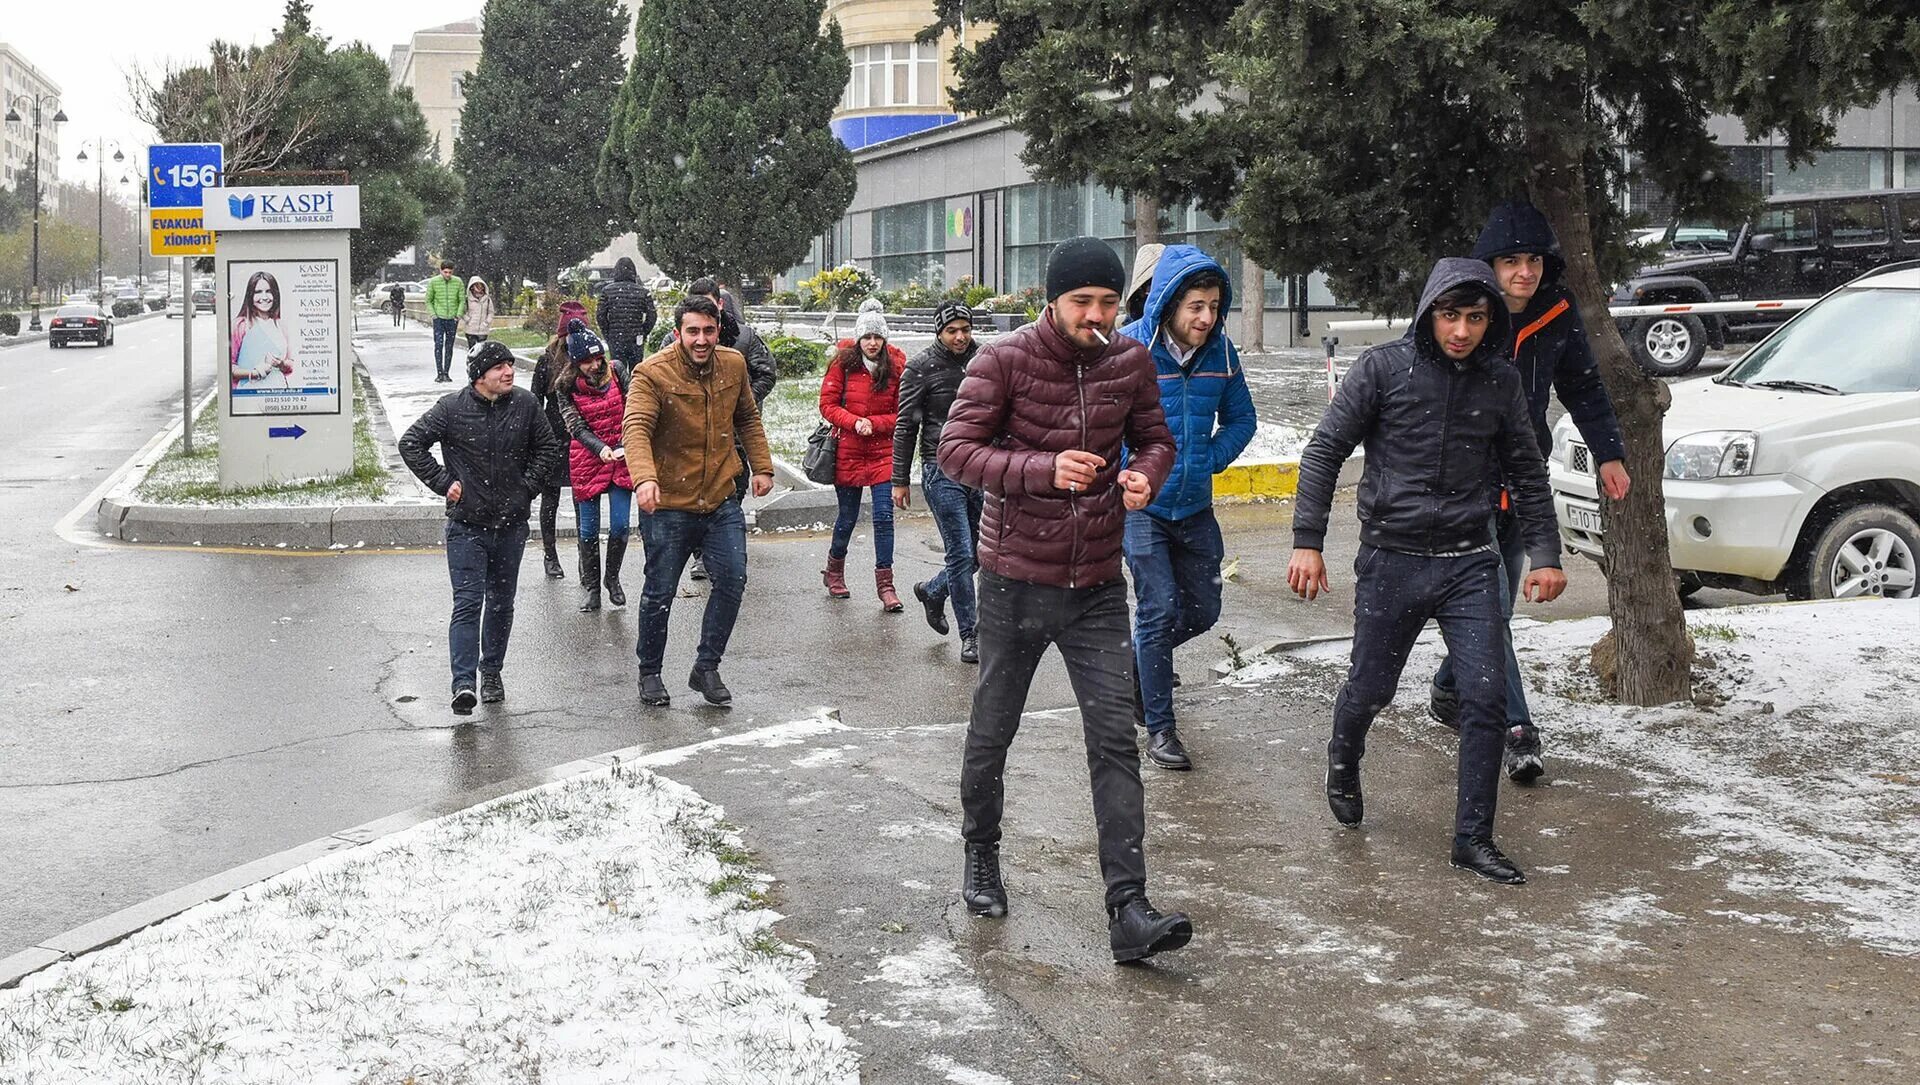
[(478, 321)]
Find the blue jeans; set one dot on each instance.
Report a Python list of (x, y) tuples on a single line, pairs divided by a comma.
[(1513, 559), (849, 517), (484, 564), (1394, 595), (956, 512), (444, 331), (1176, 584), (619, 515), (672, 537)]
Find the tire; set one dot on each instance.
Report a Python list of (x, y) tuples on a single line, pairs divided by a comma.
[(1870, 551), (1668, 346), (1689, 583)]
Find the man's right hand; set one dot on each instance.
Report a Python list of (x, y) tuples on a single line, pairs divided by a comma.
[(1075, 470), (647, 496), (1307, 574), (902, 496), (453, 492)]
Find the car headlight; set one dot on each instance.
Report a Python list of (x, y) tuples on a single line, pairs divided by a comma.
[(1720, 453)]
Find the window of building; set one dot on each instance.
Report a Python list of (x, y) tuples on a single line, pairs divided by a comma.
[(899, 73), (909, 244), (1857, 222), (1040, 216), (459, 86), (1830, 171)]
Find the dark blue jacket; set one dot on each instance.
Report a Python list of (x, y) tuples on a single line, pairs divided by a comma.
[(1439, 435), (1549, 345), (1211, 386)]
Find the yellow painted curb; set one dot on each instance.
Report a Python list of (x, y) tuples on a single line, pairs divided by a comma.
[(1257, 481)]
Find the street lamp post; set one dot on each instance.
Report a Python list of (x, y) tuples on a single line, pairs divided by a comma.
[(139, 217), (39, 102), (100, 145)]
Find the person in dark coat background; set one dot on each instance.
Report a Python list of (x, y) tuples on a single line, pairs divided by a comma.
[(545, 372), (626, 314), (1549, 347), (927, 389), (860, 396)]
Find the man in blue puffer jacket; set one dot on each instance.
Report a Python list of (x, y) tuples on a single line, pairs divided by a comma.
[(1173, 546)]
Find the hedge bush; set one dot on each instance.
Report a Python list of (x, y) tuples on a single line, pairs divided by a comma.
[(796, 357), (9, 323)]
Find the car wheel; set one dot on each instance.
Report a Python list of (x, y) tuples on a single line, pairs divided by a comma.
[(1668, 346), (1688, 584), (1869, 551)]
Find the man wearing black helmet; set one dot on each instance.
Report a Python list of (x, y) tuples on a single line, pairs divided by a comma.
[(496, 447)]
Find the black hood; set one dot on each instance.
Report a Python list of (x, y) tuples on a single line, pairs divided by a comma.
[(1454, 271), (624, 271), (1518, 226)]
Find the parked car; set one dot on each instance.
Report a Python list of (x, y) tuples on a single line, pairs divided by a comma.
[(80, 324), (1798, 469), (1797, 247)]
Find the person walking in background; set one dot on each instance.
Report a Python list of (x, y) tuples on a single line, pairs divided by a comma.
[(684, 406), (1443, 418), (477, 321), (593, 401), (1042, 423), (553, 359), (1173, 546), (1144, 261), (927, 388), (397, 298), (1549, 348), (496, 447), (626, 314), (860, 396), (446, 301)]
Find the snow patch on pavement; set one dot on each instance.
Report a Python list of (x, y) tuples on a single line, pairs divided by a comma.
[(961, 1075), (599, 929), (930, 994)]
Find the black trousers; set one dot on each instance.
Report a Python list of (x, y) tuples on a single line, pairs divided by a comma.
[(1393, 597), (1090, 626)]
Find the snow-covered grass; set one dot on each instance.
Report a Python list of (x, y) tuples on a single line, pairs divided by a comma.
[(790, 415), (1276, 441), (603, 929), (1797, 766)]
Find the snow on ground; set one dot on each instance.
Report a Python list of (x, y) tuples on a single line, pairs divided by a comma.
[(1275, 441), (601, 929), (1797, 768)]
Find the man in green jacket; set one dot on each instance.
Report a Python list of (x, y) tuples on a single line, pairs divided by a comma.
[(447, 301)]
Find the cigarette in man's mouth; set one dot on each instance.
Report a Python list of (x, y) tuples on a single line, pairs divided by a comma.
[(1104, 341)]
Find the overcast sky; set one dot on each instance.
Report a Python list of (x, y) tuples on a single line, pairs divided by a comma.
[(87, 48)]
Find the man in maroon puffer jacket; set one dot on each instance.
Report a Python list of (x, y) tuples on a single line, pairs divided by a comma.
[(1040, 424)]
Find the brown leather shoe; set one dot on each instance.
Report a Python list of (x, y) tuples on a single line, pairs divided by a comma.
[(835, 577), (889, 599)]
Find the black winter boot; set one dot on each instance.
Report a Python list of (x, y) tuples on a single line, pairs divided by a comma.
[(1135, 931), (590, 573), (1343, 791), (980, 885), (616, 553), (549, 515)]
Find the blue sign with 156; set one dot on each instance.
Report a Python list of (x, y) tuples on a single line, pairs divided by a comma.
[(178, 171)]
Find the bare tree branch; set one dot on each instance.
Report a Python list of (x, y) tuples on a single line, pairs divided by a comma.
[(235, 100)]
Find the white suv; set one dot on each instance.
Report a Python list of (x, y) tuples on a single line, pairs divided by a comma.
[(1797, 470)]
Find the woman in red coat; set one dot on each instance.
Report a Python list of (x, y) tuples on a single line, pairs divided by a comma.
[(860, 397)]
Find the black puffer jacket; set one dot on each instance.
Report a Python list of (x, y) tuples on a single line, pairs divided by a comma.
[(499, 451), (1439, 435), (1549, 344), (927, 389), (551, 362), (626, 315)]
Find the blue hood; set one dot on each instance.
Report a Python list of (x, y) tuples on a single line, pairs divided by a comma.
[(1178, 264)]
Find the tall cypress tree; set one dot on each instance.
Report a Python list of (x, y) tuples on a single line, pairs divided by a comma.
[(535, 115), (720, 150)]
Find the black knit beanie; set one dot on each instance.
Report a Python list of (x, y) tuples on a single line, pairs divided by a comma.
[(1084, 261)]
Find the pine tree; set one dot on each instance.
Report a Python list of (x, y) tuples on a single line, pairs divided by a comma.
[(1122, 92), (534, 119), (298, 18), (720, 149), (1383, 131)]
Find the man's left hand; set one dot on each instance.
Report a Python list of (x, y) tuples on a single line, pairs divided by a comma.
[(1138, 492), (762, 485), (1614, 480), (1543, 585)]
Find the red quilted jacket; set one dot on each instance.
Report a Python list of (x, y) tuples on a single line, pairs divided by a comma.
[(1028, 397), (863, 461), (601, 411)]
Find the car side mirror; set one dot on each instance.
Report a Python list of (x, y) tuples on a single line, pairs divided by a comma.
[(1762, 243)]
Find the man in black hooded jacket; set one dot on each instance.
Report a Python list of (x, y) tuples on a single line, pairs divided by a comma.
[(626, 315), (1549, 347), (1443, 419)]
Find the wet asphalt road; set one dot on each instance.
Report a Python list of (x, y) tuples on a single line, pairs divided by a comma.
[(173, 713)]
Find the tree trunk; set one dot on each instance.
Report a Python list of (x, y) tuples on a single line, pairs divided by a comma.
[(1146, 220), (1655, 651), (1253, 305)]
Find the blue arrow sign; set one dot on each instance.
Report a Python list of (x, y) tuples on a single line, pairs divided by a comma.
[(294, 432)]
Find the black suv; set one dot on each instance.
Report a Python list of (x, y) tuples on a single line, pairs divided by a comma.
[(1798, 247)]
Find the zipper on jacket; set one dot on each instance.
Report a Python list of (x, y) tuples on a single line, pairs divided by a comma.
[(1073, 503), (1446, 423)]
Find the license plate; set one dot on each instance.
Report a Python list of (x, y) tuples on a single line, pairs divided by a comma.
[(1583, 519)]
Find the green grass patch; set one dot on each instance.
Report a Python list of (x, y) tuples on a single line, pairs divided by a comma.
[(1714, 631), (180, 479), (790, 415), (518, 338)]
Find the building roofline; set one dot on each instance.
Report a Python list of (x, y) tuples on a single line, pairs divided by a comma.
[(926, 137), (20, 58)]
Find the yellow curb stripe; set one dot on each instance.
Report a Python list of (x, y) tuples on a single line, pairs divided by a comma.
[(1257, 481)]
